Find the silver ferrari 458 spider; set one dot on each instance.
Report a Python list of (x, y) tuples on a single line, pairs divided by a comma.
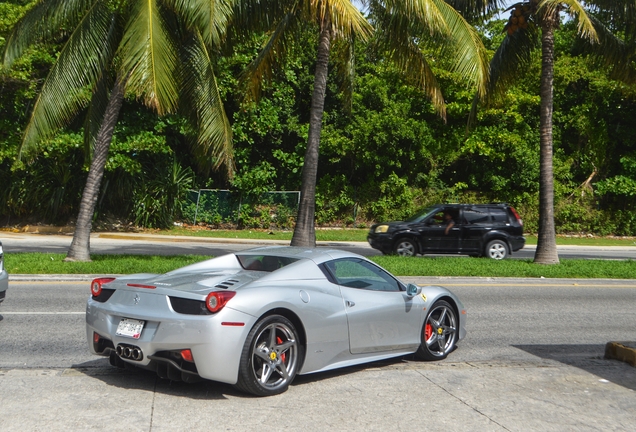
[(257, 318)]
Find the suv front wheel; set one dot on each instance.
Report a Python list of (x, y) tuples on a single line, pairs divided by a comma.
[(497, 249), (405, 247)]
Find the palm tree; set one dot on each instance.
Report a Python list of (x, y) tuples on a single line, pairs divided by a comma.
[(401, 26), (532, 25), (158, 50)]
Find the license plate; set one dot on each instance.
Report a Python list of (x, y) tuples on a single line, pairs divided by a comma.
[(130, 328)]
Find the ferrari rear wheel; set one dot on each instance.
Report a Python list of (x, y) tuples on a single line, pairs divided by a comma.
[(270, 358), (439, 333)]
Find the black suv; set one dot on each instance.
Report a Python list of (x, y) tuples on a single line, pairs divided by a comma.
[(492, 230)]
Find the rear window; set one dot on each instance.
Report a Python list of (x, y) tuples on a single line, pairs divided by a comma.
[(266, 263), (499, 215), (475, 216)]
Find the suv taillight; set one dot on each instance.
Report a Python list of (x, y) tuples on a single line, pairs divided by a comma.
[(514, 212)]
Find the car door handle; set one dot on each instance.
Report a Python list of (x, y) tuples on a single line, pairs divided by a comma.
[(350, 303)]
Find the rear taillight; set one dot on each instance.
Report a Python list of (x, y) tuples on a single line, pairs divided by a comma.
[(514, 212), (217, 299), (96, 285), (186, 354)]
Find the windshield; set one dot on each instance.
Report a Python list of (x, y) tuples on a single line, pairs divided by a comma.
[(422, 214)]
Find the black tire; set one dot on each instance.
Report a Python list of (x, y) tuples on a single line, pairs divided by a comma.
[(439, 332), (271, 357), (497, 249), (405, 247)]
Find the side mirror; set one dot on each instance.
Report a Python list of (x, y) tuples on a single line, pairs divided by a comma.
[(412, 290)]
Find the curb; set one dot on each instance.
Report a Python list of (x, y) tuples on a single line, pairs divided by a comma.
[(623, 351), (188, 239)]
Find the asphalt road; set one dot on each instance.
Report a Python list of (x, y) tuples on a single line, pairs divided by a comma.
[(532, 360), (118, 243)]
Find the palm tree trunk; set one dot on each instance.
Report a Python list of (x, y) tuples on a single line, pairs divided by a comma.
[(305, 231), (80, 246), (546, 252)]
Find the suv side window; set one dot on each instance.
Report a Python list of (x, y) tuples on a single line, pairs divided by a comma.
[(499, 215), (476, 216)]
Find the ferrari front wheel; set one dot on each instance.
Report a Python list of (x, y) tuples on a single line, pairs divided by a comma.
[(439, 332), (270, 358)]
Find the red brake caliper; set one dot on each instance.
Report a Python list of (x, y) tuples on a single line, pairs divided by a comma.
[(428, 331), (280, 341)]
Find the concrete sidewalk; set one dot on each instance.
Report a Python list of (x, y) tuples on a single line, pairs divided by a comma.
[(400, 395)]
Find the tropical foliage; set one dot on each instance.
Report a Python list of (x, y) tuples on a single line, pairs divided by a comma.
[(532, 25), (388, 155), (158, 51)]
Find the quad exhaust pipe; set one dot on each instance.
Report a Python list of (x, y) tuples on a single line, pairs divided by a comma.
[(129, 352)]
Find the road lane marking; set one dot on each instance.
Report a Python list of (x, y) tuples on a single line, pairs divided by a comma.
[(544, 285), (50, 282), (42, 313), (442, 283)]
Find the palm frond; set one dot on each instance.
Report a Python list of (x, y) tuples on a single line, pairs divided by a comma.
[(346, 19), (510, 61), (464, 46), (204, 107), (613, 52), (67, 88), (477, 9), (620, 16), (262, 15), (209, 18), (395, 35), (585, 28), (46, 18), (149, 58), (423, 12), (260, 69)]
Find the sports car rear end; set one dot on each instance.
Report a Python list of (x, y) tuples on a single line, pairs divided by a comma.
[(162, 323)]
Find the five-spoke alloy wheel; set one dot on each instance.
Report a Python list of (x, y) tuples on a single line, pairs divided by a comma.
[(271, 357), (497, 249), (405, 247), (439, 333)]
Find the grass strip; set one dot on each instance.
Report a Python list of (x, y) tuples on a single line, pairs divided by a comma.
[(482, 267), (42, 263), (48, 263)]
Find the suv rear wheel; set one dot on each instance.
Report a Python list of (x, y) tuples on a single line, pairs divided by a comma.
[(497, 249), (405, 247)]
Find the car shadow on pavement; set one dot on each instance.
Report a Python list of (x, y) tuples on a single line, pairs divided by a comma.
[(589, 358), (142, 379), (135, 378), (334, 373)]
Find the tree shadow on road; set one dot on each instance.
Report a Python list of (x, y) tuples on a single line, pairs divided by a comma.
[(589, 358)]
